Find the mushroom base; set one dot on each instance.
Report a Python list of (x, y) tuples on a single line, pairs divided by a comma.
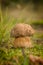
[(23, 42)]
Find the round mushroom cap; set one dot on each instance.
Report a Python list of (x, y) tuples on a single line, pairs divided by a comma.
[(22, 42), (21, 30)]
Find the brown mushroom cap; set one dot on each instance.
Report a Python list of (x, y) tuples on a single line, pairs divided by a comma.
[(22, 42), (21, 30)]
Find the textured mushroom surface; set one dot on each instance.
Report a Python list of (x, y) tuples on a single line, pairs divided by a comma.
[(21, 30), (22, 42), (37, 60)]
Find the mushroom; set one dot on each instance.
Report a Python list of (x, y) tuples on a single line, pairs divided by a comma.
[(23, 42), (21, 30), (22, 33), (36, 59)]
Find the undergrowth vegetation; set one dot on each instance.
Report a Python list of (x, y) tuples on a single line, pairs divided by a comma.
[(38, 23), (7, 53)]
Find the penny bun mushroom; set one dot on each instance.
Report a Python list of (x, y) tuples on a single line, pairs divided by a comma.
[(22, 33)]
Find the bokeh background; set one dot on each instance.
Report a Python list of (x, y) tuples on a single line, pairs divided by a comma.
[(28, 9)]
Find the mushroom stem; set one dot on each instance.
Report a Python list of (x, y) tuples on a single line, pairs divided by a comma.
[(23, 52)]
